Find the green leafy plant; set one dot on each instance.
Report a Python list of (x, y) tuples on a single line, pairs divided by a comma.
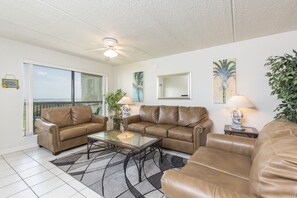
[(283, 82), (112, 99)]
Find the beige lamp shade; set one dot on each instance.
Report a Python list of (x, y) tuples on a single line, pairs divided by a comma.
[(239, 101), (126, 100)]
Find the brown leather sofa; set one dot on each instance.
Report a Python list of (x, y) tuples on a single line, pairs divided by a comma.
[(62, 128), (181, 128), (232, 166)]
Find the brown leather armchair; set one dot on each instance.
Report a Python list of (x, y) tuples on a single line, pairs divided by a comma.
[(62, 128), (181, 128), (232, 166)]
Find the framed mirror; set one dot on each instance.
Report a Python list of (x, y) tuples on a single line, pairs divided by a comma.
[(174, 86)]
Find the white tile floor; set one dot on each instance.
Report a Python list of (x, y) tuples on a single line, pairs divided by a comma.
[(29, 174)]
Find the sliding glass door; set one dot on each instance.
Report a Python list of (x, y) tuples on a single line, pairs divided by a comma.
[(52, 87)]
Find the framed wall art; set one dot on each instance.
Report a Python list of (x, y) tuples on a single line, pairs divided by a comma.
[(138, 86), (10, 81), (224, 80)]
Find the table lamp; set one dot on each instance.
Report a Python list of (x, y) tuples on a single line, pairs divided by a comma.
[(238, 101), (125, 101)]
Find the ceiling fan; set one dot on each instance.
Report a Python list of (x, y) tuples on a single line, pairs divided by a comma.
[(110, 45), (111, 48)]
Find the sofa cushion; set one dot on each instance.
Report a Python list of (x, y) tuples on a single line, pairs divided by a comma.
[(181, 133), (229, 163), (274, 170), (81, 114), (139, 126), (92, 127), (168, 115), (70, 132), (149, 113), (217, 178), (159, 130), (61, 116), (191, 116), (269, 130)]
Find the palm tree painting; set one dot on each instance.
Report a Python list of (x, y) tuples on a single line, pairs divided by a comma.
[(138, 87), (224, 80)]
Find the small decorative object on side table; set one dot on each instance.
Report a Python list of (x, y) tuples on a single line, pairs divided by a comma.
[(238, 101), (248, 131)]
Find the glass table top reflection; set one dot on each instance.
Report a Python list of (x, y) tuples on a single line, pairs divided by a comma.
[(125, 139)]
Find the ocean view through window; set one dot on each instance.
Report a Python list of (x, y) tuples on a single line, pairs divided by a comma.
[(52, 87)]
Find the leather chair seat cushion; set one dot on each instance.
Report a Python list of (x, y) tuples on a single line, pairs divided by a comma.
[(274, 170), (81, 114), (61, 116), (70, 132), (226, 162), (92, 127), (181, 133), (139, 126), (191, 116), (149, 113), (159, 130), (168, 115), (215, 177)]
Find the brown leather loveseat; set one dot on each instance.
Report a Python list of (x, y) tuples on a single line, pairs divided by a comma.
[(62, 128), (232, 166), (181, 128)]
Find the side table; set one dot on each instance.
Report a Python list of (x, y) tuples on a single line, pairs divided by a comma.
[(251, 132)]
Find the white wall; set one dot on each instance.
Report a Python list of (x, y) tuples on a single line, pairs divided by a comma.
[(12, 55), (251, 81)]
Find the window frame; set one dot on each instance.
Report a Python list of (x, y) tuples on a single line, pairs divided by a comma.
[(29, 130)]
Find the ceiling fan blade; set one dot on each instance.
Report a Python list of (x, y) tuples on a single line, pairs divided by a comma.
[(124, 54), (93, 50), (126, 48)]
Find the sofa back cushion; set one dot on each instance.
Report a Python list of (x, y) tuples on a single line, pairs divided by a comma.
[(81, 114), (191, 116), (272, 128), (149, 113), (61, 116), (168, 115), (274, 169)]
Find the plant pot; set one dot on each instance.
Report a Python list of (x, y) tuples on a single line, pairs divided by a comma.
[(116, 123)]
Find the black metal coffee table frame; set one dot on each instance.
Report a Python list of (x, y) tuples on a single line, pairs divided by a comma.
[(138, 154), (139, 157)]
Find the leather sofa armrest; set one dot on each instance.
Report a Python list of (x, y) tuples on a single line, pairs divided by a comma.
[(176, 185), (99, 119), (48, 135), (130, 119), (45, 126), (230, 143), (200, 133)]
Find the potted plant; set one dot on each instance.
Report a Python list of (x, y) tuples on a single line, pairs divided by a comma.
[(283, 82), (112, 99)]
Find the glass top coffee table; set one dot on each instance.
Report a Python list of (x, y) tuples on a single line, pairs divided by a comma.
[(139, 145)]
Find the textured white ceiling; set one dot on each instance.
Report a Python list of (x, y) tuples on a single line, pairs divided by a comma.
[(144, 28)]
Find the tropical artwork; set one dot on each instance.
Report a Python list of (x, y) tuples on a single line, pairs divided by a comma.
[(224, 80), (138, 87)]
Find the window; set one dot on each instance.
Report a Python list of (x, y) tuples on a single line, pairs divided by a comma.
[(51, 87), (50, 84)]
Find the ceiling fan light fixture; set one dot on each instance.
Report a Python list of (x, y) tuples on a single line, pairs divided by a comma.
[(110, 53)]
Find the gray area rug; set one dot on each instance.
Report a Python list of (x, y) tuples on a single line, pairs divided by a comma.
[(105, 172)]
